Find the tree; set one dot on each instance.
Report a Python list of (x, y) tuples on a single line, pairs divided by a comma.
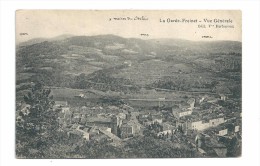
[(234, 149), (37, 129)]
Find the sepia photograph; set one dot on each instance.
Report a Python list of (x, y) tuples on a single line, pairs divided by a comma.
[(128, 84)]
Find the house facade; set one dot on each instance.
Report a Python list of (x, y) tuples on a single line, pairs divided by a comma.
[(223, 132), (202, 125), (182, 113)]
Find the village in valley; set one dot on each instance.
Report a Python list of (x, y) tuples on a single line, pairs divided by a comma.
[(107, 96), (204, 123)]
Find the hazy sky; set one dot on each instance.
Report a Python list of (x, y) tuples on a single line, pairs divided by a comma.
[(50, 23)]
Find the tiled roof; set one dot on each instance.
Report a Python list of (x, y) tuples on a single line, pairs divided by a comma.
[(214, 144), (99, 119)]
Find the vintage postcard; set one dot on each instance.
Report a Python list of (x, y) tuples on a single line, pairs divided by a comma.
[(128, 84)]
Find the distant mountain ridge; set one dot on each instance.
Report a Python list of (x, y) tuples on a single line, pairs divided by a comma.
[(110, 62), (40, 40), (112, 43), (110, 37)]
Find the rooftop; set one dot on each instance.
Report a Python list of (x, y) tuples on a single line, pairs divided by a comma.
[(61, 102), (98, 119)]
